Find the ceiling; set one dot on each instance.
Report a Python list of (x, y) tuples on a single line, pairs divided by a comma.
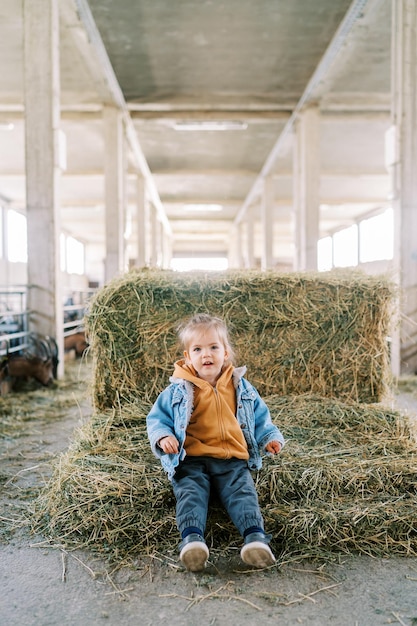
[(253, 64)]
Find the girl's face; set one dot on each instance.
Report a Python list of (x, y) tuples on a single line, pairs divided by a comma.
[(206, 353)]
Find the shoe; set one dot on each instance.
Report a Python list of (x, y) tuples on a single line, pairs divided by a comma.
[(256, 551), (194, 553)]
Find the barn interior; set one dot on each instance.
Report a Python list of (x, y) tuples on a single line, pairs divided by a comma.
[(199, 135), (274, 138)]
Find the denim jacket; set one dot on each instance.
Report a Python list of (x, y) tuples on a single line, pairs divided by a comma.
[(173, 408)]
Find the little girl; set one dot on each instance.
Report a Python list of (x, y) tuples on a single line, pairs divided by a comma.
[(209, 428)]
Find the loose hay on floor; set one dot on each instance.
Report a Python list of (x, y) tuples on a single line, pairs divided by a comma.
[(345, 482), (23, 409), (322, 333)]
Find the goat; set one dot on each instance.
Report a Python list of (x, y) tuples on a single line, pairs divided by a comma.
[(77, 342), (24, 367), (38, 364), (53, 348), (45, 347)]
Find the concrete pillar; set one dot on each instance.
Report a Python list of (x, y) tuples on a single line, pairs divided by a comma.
[(267, 224), (148, 231), (233, 253), (240, 262), (153, 260), (114, 175), (250, 237), (403, 168), (141, 221), (160, 244), (166, 249), (306, 176), (42, 120)]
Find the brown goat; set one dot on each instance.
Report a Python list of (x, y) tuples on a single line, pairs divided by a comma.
[(23, 368), (76, 342)]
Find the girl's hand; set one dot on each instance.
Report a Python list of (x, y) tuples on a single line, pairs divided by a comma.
[(274, 447), (169, 444)]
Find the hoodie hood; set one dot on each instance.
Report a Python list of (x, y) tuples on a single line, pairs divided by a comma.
[(183, 371)]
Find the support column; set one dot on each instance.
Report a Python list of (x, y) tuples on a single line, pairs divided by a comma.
[(307, 189), (404, 119), (154, 237), (114, 161), (166, 250), (42, 120), (267, 224), (233, 253), (160, 244), (240, 259), (141, 221), (250, 237)]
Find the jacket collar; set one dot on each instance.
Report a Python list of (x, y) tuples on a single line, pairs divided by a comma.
[(238, 373)]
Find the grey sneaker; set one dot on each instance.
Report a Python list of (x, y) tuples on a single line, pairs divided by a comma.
[(194, 553), (256, 551)]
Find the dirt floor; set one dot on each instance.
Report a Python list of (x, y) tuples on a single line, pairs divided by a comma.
[(41, 586)]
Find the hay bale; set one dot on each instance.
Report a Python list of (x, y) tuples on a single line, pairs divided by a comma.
[(373, 526), (317, 343), (346, 482), (108, 491), (322, 334)]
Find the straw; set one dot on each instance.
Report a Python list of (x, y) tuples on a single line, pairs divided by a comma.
[(346, 481), (312, 333)]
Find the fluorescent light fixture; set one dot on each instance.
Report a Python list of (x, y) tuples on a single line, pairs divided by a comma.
[(210, 125), (6, 126), (203, 207)]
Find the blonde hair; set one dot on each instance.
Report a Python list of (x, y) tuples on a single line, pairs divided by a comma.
[(205, 321)]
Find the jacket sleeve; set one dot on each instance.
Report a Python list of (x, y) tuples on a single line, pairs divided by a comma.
[(160, 421), (265, 429)]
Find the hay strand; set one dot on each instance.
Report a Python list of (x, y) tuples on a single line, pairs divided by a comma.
[(346, 481), (323, 334)]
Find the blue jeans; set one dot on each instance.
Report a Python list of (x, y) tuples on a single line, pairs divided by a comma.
[(233, 482)]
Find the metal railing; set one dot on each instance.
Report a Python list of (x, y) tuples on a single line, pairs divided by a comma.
[(14, 320), (14, 317), (75, 307)]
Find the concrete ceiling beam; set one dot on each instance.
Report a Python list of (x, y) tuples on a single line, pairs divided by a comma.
[(353, 14), (78, 18)]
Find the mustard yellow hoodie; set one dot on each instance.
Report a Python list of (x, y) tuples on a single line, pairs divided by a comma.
[(213, 429)]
